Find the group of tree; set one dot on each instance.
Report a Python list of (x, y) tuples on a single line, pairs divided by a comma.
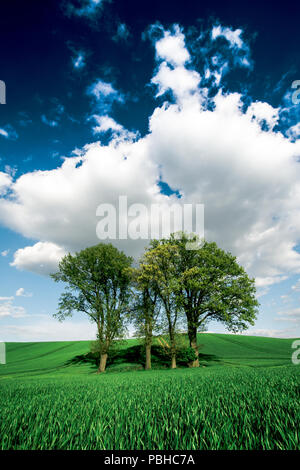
[(171, 286)]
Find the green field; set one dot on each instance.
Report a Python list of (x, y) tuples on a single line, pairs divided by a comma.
[(245, 395)]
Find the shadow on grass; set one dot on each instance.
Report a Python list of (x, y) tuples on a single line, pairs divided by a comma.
[(133, 358)]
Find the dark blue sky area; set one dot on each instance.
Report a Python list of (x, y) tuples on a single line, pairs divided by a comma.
[(40, 38)]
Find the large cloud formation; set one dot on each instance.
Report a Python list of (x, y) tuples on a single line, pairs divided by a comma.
[(214, 150)]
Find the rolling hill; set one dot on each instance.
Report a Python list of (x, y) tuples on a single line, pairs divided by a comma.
[(71, 357)]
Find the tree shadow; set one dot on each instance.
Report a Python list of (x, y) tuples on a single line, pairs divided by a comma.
[(135, 355), (88, 358)]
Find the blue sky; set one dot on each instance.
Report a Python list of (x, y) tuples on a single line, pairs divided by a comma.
[(153, 101)]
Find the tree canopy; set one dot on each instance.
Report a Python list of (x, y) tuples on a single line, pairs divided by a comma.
[(97, 283)]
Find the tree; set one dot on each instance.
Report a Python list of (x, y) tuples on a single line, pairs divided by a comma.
[(211, 285), (159, 268), (98, 284), (146, 308)]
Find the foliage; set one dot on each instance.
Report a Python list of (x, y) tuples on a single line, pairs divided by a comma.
[(209, 283), (98, 284)]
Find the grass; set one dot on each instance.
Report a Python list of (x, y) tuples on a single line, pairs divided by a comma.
[(246, 397)]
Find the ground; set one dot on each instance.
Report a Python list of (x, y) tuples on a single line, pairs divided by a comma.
[(245, 395)]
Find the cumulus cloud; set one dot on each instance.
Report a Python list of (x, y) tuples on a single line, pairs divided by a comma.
[(5, 182), (294, 131), (264, 114), (172, 74), (105, 124), (171, 47), (42, 258), (213, 150), (22, 293)]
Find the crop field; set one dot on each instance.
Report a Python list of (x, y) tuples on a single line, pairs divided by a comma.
[(245, 395)]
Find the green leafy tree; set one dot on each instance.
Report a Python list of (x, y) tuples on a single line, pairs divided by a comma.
[(210, 285), (98, 284), (159, 268)]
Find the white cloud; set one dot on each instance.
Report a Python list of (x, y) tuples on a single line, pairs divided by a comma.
[(268, 281), (102, 89), (7, 309), (233, 37), (21, 293), (79, 60), (171, 48), (172, 75), (296, 287), (8, 132), (263, 113), (290, 315), (4, 133), (294, 131), (42, 258), (105, 123), (6, 298), (271, 333), (222, 155), (236, 43), (5, 182), (49, 329), (294, 312), (4, 253), (182, 82), (104, 95)]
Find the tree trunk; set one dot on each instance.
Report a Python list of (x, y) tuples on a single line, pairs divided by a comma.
[(102, 365), (148, 356), (192, 332), (173, 350), (173, 361)]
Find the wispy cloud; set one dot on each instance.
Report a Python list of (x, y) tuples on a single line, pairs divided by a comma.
[(87, 8), (122, 33), (79, 60), (104, 95), (22, 293), (8, 132), (291, 315), (296, 287), (49, 122), (54, 114), (7, 309)]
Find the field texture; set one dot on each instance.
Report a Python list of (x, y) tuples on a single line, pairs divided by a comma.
[(245, 396)]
